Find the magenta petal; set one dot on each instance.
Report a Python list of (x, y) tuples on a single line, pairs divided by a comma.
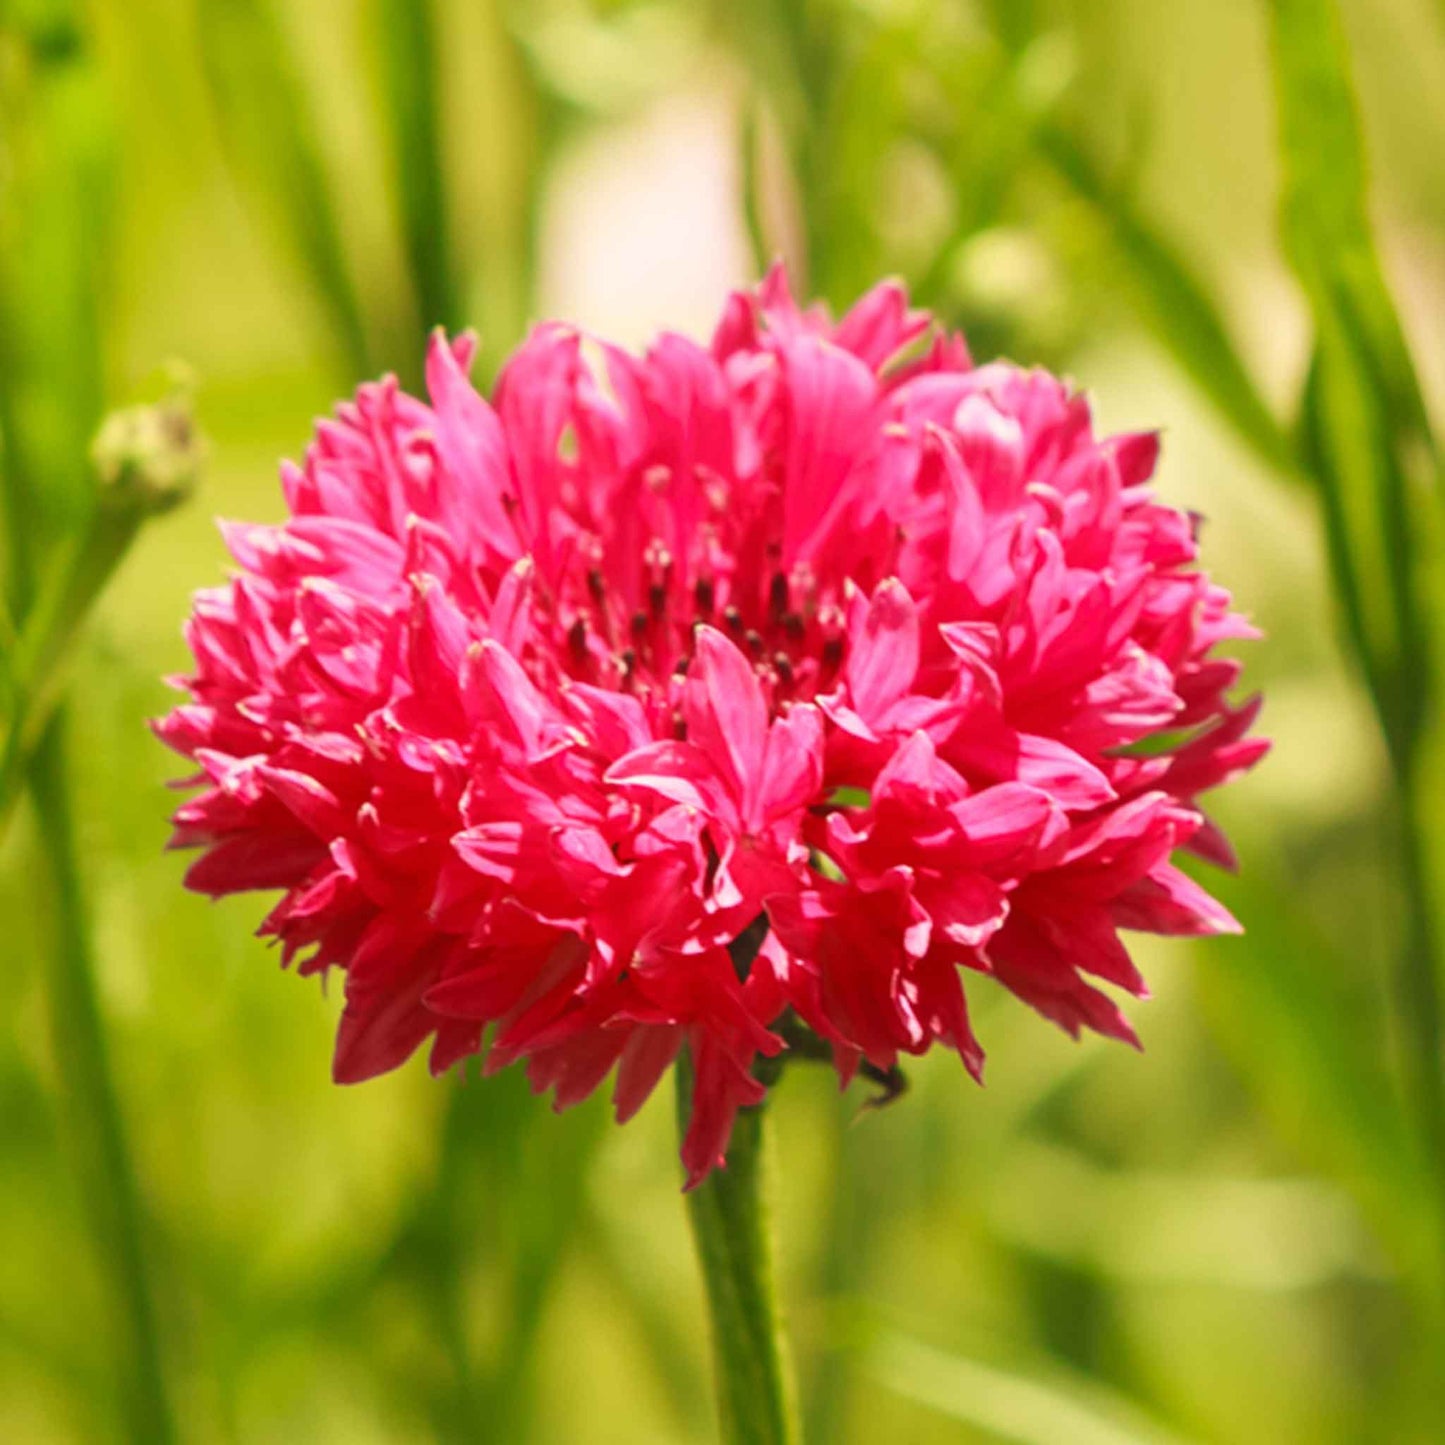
[(1004, 820), (680, 772), (379, 1032), (648, 1054), (968, 909), (792, 769), (473, 448), (880, 324), (250, 861), (833, 397), (1168, 901), (532, 706), (883, 660), (724, 708)]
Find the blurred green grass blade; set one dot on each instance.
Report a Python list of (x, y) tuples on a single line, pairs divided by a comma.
[(789, 51), (411, 84), (1240, 1232), (1363, 414), (1313, 446), (269, 135), (1172, 301), (750, 182), (1004, 1405), (552, 1165), (538, 117), (666, 1346), (1325, 205), (57, 194), (1345, 443), (37, 665), (113, 1193), (55, 234), (1315, 1058), (1371, 446), (503, 1206)]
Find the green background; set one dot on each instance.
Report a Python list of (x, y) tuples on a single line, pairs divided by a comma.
[(1232, 1238)]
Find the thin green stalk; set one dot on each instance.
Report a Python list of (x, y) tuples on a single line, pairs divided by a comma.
[(542, 119), (1172, 301), (731, 1229), (411, 78), (84, 1065), (46, 641), (1418, 987), (145, 461), (749, 140), (269, 131)]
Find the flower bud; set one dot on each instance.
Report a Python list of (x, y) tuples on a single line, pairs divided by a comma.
[(148, 457)]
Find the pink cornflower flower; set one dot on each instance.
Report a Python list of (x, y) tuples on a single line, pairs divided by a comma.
[(710, 698)]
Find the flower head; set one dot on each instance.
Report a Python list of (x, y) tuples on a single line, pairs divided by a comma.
[(670, 700)]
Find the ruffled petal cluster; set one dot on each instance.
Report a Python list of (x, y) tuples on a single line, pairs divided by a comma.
[(666, 701)]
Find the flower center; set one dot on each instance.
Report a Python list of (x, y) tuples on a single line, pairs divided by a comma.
[(635, 633)]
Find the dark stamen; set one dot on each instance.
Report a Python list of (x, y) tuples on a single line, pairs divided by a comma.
[(778, 596)]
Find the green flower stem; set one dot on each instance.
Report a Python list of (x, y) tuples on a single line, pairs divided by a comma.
[(107, 1176), (730, 1226), (145, 460), (37, 664)]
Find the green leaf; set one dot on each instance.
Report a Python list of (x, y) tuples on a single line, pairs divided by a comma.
[(1325, 204), (1363, 415), (1364, 423), (1368, 440), (1043, 1408), (1240, 1232), (269, 134)]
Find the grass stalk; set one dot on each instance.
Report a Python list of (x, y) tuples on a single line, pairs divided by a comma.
[(108, 1175)]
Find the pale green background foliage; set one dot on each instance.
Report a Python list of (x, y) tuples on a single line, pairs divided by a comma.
[(1227, 1239)]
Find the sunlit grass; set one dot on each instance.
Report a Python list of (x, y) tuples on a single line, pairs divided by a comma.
[(1233, 1233)]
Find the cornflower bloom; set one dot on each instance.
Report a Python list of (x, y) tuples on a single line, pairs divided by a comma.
[(742, 697)]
